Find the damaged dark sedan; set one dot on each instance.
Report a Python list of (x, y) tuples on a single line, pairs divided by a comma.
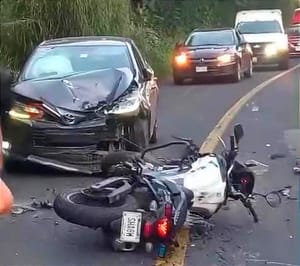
[(78, 98)]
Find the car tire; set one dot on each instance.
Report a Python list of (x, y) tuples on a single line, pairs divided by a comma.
[(74, 207), (139, 134), (284, 64), (249, 72), (154, 137), (237, 76), (177, 79)]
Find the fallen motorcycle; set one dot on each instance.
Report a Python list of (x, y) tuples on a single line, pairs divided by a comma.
[(132, 210), (213, 178)]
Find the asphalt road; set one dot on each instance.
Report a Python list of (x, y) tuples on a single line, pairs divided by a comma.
[(41, 238)]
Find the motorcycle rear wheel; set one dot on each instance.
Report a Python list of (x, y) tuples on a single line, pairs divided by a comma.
[(76, 208)]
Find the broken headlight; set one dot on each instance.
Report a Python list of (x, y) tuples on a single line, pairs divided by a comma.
[(128, 103)]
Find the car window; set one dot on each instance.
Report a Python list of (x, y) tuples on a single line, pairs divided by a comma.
[(57, 62), (256, 27), (224, 37)]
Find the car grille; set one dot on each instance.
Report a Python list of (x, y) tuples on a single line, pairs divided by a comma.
[(73, 137), (259, 48), (200, 61), (294, 40)]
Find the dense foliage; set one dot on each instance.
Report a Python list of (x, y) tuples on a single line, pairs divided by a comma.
[(154, 24)]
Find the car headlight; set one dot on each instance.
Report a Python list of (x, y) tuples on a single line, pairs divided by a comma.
[(26, 111), (226, 58), (273, 48), (127, 103)]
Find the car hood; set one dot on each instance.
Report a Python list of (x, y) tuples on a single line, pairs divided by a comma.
[(208, 51), (264, 37), (78, 92)]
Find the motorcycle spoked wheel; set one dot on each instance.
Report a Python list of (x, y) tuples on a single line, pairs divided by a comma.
[(76, 208)]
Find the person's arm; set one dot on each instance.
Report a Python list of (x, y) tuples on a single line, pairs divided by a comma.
[(6, 197)]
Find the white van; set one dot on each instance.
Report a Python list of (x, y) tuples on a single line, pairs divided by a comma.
[(264, 31)]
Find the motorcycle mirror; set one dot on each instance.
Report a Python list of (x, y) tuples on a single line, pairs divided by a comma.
[(273, 199), (238, 133), (232, 143)]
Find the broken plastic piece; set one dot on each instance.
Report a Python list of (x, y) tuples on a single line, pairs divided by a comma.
[(296, 170)]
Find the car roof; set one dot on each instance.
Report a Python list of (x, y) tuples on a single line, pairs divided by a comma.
[(213, 29), (87, 41)]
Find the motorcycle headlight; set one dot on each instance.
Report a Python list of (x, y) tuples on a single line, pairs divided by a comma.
[(127, 104)]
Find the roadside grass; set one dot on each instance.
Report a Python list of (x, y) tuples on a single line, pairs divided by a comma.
[(25, 23)]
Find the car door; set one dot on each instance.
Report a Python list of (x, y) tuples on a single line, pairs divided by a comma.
[(151, 87)]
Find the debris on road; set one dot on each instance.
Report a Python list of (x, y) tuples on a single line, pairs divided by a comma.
[(277, 156), (268, 145), (296, 170), (20, 209)]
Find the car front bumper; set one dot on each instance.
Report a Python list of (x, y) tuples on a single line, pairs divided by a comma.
[(261, 58), (198, 70), (73, 148)]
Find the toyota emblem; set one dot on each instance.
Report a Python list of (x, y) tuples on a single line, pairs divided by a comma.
[(69, 119)]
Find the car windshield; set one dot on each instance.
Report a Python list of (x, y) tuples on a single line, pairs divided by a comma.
[(256, 27), (294, 31), (210, 38), (61, 61)]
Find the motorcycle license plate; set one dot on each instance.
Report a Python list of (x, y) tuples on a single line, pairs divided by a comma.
[(131, 227), (254, 60)]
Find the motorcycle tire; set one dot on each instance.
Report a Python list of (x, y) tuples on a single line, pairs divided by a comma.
[(75, 208)]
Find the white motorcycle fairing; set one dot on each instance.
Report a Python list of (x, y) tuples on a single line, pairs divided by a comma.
[(205, 179)]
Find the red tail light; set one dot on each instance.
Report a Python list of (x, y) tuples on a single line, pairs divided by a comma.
[(245, 180), (148, 229), (163, 227)]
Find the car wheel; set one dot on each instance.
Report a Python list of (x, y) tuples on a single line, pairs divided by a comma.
[(139, 134), (284, 64), (154, 137), (177, 79), (236, 77), (249, 72)]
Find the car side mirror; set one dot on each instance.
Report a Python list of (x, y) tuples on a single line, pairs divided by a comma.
[(238, 133), (148, 74)]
